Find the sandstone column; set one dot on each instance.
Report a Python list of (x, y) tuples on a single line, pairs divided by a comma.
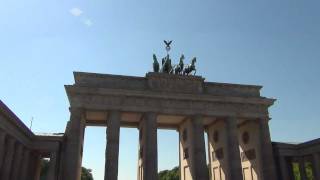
[(72, 157), (8, 160), (52, 171), (302, 168), (17, 163), (25, 164), (2, 145), (284, 167), (267, 160), (199, 152), (148, 169), (112, 149), (192, 149), (36, 166), (232, 150), (316, 165)]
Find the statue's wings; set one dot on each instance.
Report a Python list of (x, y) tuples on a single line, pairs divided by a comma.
[(167, 43)]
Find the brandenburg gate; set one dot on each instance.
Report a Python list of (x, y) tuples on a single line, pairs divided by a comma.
[(235, 118)]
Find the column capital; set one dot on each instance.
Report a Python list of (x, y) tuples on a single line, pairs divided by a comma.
[(197, 119), (150, 115)]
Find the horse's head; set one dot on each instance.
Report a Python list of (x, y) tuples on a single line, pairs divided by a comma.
[(194, 60), (155, 58), (181, 58)]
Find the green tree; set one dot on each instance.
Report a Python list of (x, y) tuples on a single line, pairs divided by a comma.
[(172, 174), (308, 170), (86, 174)]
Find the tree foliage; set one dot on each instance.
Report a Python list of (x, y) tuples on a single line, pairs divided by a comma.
[(172, 174), (86, 174)]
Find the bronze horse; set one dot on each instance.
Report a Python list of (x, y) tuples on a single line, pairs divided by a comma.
[(179, 67), (191, 67), (166, 65)]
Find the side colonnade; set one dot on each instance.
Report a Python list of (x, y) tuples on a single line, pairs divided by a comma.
[(21, 151)]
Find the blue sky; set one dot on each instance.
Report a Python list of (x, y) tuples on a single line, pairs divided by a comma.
[(273, 43)]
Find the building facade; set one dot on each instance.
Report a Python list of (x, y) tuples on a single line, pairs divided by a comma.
[(234, 117)]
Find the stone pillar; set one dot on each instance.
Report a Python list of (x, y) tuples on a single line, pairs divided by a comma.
[(284, 167), (72, 158), (36, 167), (316, 165), (25, 164), (148, 152), (268, 168), (192, 149), (8, 160), (232, 150), (302, 168), (210, 165), (17, 163), (52, 171), (199, 151), (112, 149), (2, 149)]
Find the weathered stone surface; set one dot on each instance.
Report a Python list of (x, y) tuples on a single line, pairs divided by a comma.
[(74, 147), (2, 145), (268, 165), (232, 149), (17, 162), (25, 164), (53, 167), (8, 160), (148, 153), (316, 165), (112, 148)]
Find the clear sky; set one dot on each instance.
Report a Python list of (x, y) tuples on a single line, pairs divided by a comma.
[(274, 43)]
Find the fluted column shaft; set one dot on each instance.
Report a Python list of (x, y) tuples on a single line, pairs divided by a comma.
[(36, 167), (284, 167), (150, 149), (25, 164), (112, 149), (267, 159), (192, 153), (17, 163), (8, 160), (2, 149), (302, 168), (316, 165), (232, 150), (199, 153), (52, 171), (72, 158)]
